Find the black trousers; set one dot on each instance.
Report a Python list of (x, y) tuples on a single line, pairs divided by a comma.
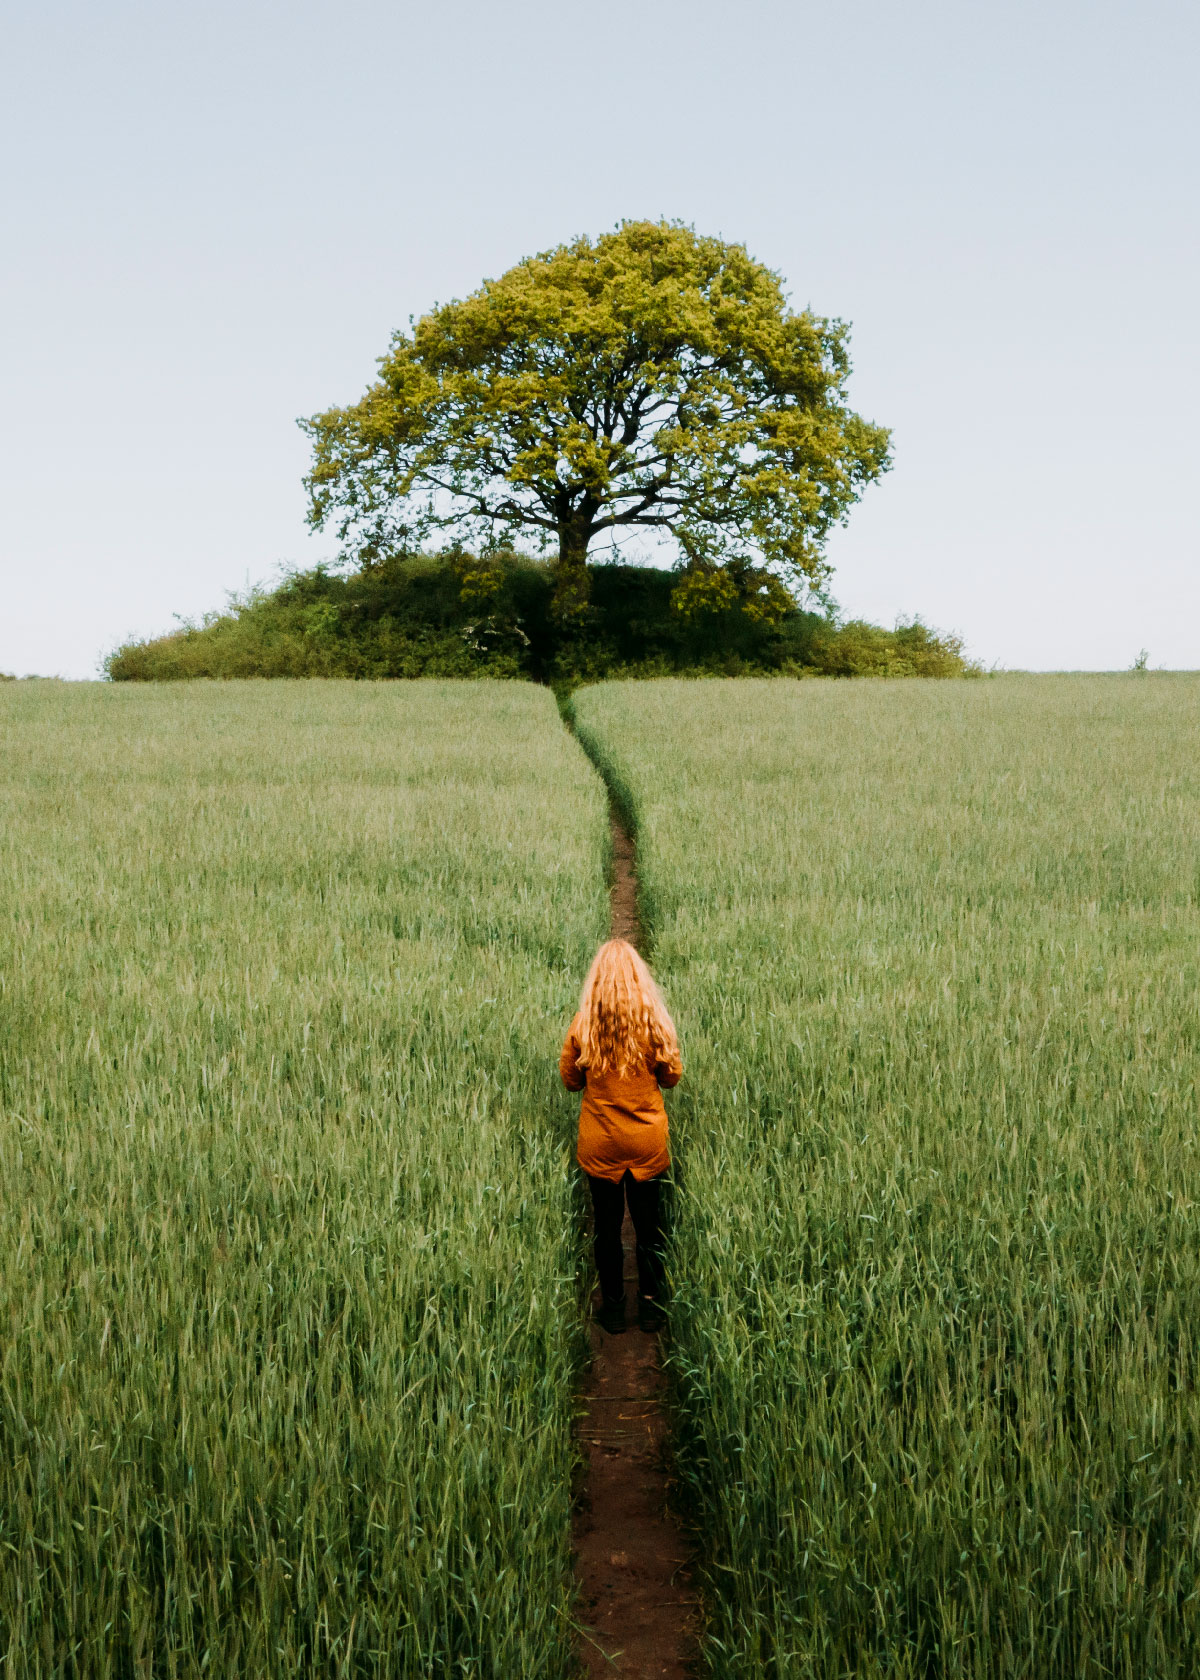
[(645, 1209)]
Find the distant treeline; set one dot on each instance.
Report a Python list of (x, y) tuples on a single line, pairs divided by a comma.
[(459, 615)]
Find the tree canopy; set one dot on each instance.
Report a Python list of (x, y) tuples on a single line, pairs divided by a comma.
[(652, 379)]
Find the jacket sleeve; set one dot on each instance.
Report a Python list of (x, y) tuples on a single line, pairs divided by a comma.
[(569, 1070), (668, 1073)]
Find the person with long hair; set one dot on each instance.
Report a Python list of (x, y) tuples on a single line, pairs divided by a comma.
[(621, 1051)]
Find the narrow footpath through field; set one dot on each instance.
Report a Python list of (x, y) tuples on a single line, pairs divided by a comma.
[(632, 1559)]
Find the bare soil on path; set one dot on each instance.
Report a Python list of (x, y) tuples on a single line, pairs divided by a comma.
[(625, 923), (632, 1558)]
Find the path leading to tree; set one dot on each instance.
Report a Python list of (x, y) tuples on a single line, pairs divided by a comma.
[(631, 1557)]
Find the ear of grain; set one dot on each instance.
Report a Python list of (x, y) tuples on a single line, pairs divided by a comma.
[(289, 1317), (934, 952)]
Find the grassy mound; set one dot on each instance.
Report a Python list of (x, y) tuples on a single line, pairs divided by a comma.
[(453, 615)]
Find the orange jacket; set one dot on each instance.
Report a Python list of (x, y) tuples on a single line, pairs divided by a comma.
[(622, 1118)]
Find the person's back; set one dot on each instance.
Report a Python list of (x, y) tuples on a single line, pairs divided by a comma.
[(622, 1118), (620, 1051)]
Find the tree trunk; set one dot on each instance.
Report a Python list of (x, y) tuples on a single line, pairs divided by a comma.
[(572, 580)]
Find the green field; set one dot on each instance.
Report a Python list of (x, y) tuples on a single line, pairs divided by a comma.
[(288, 1261), (290, 1275), (934, 952)]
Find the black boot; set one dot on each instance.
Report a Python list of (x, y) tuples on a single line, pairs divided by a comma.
[(651, 1317), (611, 1316)]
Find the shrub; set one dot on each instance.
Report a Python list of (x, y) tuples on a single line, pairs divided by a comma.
[(859, 649)]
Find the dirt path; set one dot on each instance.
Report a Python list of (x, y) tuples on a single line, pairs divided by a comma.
[(624, 923), (631, 1558)]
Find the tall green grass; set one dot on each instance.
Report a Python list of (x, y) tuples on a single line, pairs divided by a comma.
[(288, 1318), (935, 955)]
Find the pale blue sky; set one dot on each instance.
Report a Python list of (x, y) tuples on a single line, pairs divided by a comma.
[(218, 212)]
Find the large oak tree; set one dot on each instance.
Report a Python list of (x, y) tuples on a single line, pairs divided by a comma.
[(649, 379)]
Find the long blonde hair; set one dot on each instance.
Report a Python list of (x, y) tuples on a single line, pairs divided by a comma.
[(623, 1020)]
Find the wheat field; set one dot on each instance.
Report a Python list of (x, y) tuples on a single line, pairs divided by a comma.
[(288, 1262), (934, 951), (291, 1259)]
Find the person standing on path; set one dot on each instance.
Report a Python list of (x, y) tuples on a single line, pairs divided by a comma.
[(621, 1051)]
